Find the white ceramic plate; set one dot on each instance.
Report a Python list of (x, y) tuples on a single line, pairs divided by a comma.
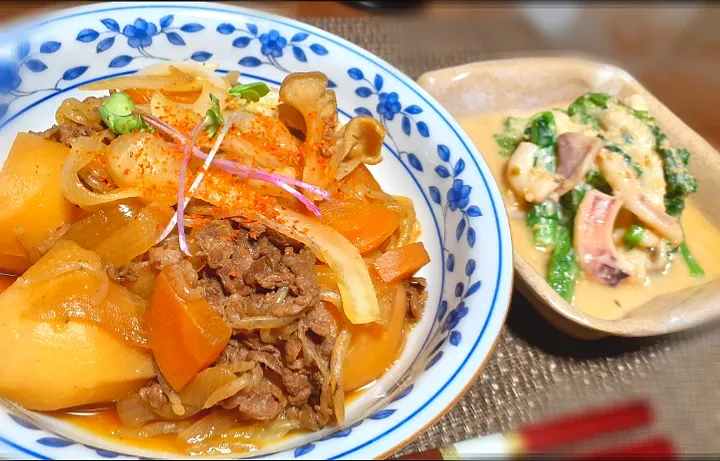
[(427, 157)]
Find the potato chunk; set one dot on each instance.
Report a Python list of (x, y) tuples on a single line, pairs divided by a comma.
[(31, 201), (62, 363)]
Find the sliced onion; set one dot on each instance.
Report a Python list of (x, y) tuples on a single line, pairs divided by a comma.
[(216, 422), (213, 447), (332, 297), (240, 367), (154, 429), (228, 390), (284, 332), (145, 162), (133, 411), (203, 385), (136, 237), (163, 76), (66, 268), (277, 429), (260, 323), (91, 231), (267, 337), (204, 71), (342, 343), (408, 228), (66, 257), (84, 151), (121, 313), (182, 277)]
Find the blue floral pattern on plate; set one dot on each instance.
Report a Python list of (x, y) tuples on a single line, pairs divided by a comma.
[(122, 38), (139, 37), (272, 46)]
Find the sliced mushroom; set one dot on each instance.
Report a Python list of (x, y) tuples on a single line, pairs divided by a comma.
[(625, 184), (576, 155), (593, 242), (360, 141), (307, 94)]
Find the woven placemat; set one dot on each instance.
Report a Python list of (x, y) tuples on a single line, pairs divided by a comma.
[(535, 371)]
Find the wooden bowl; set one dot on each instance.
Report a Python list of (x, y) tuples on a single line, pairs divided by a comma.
[(524, 84)]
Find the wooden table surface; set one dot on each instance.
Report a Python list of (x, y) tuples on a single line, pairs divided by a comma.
[(674, 51)]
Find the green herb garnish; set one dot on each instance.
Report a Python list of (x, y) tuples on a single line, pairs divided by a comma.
[(213, 117), (117, 113), (250, 91)]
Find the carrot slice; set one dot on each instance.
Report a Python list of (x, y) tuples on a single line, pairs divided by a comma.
[(366, 225), (185, 336), (375, 347), (401, 263), (139, 96)]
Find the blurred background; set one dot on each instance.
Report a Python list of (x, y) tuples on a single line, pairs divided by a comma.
[(674, 50)]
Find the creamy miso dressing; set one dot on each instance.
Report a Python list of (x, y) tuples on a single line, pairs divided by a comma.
[(592, 297)]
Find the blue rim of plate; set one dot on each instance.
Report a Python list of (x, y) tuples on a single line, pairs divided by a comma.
[(504, 247)]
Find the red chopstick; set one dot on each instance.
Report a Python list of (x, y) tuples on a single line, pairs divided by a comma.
[(655, 448), (576, 427), (544, 436)]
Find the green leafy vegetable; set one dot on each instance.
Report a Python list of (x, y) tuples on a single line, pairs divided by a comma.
[(250, 91), (693, 266), (563, 269), (543, 133), (586, 108), (542, 130), (680, 183), (117, 113), (213, 117), (544, 219), (511, 135), (634, 236)]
